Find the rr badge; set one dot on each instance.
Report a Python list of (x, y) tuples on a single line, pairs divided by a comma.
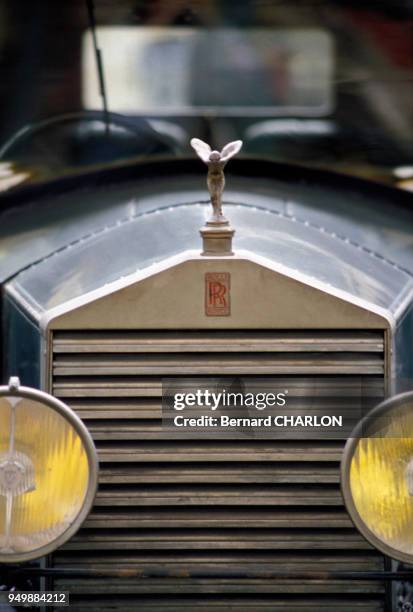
[(217, 294)]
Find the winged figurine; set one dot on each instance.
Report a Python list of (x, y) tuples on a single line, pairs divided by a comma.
[(216, 161)]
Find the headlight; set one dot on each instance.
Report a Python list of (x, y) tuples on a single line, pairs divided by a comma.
[(377, 477), (48, 473)]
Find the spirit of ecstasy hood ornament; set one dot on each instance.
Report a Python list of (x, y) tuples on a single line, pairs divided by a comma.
[(216, 161), (217, 233)]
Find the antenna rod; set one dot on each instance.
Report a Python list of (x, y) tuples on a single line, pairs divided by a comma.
[(99, 62)]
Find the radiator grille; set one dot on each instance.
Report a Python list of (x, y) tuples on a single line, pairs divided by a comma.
[(167, 504)]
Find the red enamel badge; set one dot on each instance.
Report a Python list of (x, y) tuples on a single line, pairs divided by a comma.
[(217, 294)]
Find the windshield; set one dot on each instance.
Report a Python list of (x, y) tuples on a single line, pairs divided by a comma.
[(325, 84), (221, 71)]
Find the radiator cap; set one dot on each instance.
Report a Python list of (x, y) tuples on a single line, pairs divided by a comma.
[(217, 233)]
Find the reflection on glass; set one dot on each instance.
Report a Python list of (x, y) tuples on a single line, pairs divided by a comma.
[(380, 481), (184, 70), (44, 443)]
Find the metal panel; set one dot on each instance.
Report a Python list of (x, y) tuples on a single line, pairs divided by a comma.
[(217, 603), (169, 365), (220, 341), (171, 296), (146, 387), (361, 231), (214, 504), (89, 265)]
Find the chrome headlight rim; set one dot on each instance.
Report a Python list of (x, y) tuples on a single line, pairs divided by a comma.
[(69, 415), (385, 407)]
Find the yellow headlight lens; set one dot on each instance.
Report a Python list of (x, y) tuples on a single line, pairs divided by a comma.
[(377, 477), (47, 475)]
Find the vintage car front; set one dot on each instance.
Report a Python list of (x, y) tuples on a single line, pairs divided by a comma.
[(114, 299), (206, 368)]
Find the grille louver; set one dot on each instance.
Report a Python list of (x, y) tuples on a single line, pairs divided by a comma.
[(209, 504)]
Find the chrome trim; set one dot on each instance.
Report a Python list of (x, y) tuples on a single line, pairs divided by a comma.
[(46, 319), (69, 415), (348, 452)]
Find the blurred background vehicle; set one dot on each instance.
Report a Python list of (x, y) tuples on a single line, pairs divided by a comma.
[(317, 83)]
